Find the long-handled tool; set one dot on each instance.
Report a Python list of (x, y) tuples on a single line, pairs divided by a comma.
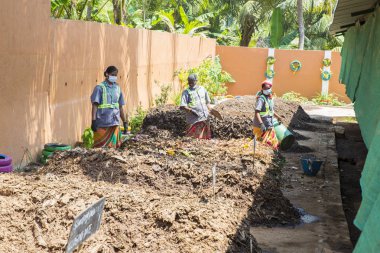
[(254, 152), (213, 179)]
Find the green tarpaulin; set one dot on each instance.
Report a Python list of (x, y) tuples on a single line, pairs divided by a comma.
[(360, 73)]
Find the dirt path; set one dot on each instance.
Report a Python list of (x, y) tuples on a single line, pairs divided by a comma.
[(319, 196)]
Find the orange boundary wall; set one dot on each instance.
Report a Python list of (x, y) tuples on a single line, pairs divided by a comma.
[(248, 65), (49, 68)]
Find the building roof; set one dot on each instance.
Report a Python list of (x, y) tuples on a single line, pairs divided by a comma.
[(348, 12)]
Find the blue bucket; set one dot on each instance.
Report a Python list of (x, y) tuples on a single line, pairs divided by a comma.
[(311, 165)]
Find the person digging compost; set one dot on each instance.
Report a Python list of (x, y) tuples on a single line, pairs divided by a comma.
[(107, 108), (263, 128), (196, 102)]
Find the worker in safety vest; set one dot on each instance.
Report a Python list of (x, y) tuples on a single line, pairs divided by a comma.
[(107, 109), (196, 102), (263, 129)]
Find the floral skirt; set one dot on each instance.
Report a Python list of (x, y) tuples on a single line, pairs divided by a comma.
[(268, 137), (107, 137), (199, 130)]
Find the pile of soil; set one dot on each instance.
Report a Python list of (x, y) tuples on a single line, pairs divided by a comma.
[(167, 117), (237, 118), (159, 189), (159, 197)]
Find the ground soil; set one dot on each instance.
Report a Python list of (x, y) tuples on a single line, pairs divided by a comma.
[(352, 153), (159, 192)]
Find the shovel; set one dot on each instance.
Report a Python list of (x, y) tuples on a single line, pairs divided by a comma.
[(216, 114)]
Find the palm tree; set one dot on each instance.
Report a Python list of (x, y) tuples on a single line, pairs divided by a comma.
[(248, 20), (231, 22)]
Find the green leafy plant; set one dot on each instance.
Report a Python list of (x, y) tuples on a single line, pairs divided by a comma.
[(88, 138), (177, 98), (294, 97), (162, 99), (210, 75), (330, 99), (276, 27), (136, 121), (186, 26)]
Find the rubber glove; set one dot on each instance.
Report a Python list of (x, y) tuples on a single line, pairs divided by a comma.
[(94, 127), (263, 127), (125, 124)]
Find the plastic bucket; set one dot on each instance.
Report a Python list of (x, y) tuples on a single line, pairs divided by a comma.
[(284, 136), (311, 165)]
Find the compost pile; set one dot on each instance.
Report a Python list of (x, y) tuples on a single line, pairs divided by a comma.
[(167, 117), (159, 197), (237, 118)]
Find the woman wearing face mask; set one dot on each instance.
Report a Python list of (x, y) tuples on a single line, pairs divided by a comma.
[(107, 108), (264, 113)]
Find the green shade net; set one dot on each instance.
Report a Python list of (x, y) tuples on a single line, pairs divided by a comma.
[(361, 73)]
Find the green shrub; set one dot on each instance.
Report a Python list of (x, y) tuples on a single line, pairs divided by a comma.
[(294, 97), (88, 138), (136, 121), (330, 99), (210, 76), (162, 99), (177, 98)]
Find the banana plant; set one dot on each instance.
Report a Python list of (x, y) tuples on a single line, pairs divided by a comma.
[(186, 26), (277, 30), (168, 19), (190, 27)]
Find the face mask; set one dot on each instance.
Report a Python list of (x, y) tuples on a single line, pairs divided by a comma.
[(112, 79), (267, 92)]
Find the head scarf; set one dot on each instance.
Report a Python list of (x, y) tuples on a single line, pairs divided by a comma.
[(262, 86)]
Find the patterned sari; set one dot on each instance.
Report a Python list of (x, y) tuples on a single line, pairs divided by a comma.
[(268, 137), (107, 137), (199, 130)]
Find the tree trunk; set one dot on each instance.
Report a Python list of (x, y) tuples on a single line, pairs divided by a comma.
[(124, 11), (89, 12), (246, 35), (300, 24), (117, 11)]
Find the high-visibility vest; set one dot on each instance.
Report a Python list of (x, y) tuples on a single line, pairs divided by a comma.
[(105, 103), (192, 95), (269, 107)]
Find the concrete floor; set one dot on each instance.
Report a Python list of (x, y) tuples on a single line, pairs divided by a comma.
[(319, 196), (328, 112)]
